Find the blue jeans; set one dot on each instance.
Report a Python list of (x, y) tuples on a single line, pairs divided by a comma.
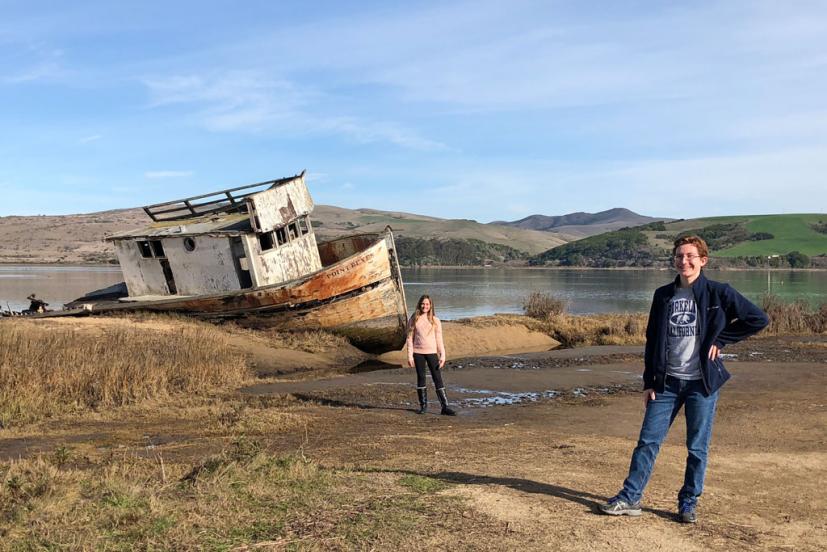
[(700, 413)]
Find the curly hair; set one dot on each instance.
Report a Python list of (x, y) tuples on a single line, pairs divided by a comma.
[(697, 241)]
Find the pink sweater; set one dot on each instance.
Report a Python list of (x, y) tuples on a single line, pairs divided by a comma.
[(426, 339)]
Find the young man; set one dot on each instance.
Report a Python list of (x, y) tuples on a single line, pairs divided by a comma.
[(690, 321)]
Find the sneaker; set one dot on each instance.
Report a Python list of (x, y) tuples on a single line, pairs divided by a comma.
[(618, 507), (686, 514)]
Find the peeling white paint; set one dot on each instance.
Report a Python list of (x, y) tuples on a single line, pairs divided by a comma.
[(213, 264), (274, 208)]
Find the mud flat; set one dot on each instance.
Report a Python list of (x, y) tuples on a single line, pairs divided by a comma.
[(542, 437)]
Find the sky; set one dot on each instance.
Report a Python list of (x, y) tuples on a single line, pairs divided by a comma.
[(477, 110)]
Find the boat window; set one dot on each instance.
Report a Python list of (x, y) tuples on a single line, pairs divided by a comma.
[(294, 230), (189, 244), (281, 236), (266, 241), (157, 248), (146, 251), (304, 225)]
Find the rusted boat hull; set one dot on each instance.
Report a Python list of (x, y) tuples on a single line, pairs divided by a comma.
[(357, 294), (379, 327)]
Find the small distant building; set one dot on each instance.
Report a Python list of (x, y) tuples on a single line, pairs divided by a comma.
[(230, 240)]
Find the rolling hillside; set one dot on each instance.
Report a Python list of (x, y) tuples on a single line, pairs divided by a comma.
[(790, 233), (331, 221), (734, 241), (796, 240), (79, 238)]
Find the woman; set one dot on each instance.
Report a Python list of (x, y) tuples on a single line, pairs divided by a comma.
[(690, 321), (425, 347)]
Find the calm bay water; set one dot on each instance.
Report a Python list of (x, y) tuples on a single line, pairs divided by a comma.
[(55, 284), (458, 293)]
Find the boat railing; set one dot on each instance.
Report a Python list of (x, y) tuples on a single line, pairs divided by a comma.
[(231, 200)]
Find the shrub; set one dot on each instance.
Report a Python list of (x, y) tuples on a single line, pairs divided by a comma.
[(798, 260), (543, 306)]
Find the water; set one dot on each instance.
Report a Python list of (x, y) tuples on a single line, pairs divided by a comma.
[(458, 293), (55, 284)]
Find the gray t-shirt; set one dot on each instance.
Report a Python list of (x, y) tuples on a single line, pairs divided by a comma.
[(683, 343)]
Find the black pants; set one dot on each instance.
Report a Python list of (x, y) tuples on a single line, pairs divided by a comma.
[(432, 360)]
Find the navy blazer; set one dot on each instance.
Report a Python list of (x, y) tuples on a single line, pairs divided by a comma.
[(724, 316)]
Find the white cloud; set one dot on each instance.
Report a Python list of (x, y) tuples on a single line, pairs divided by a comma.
[(167, 174), (37, 62), (90, 138), (250, 102)]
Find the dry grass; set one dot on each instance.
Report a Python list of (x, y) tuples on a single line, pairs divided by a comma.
[(309, 341), (574, 330), (578, 331), (241, 499), (498, 320), (51, 368), (796, 318), (598, 329)]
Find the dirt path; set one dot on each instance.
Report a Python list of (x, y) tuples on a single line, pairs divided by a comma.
[(539, 467)]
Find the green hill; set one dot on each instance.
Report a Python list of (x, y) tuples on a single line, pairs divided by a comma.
[(790, 233), (781, 240)]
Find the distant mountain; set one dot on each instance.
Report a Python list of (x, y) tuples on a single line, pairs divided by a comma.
[(329, 221), (582, 224)]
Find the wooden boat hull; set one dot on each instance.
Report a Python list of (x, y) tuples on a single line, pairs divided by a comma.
[(358, 294)]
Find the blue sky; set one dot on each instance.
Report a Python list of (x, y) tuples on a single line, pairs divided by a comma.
[(480, 110)]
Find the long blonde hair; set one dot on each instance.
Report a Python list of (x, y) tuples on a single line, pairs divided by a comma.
[(418, 312)]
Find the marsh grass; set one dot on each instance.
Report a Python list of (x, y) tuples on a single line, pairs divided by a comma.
[(243, 498), (577, 331), (574, 330), (48, 369), (598, 329), (796, 318)]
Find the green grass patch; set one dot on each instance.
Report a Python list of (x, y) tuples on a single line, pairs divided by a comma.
[(791, 233), (421, 484)]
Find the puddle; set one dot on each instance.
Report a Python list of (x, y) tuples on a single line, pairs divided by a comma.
[(501, 398), (505, 398)]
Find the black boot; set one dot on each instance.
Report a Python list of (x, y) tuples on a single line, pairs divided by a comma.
[(443, 400), (422, 393)]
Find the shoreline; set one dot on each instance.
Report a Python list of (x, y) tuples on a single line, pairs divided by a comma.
[(616, 268), (473, 267)]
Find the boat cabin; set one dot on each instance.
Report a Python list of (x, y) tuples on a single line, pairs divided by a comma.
[(234, 239)]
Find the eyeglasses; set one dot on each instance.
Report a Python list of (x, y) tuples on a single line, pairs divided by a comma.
[(687, 257)]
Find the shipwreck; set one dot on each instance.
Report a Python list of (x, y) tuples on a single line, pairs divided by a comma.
[(250, 254)]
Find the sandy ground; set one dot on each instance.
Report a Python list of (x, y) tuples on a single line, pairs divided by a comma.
[(542, 438)]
